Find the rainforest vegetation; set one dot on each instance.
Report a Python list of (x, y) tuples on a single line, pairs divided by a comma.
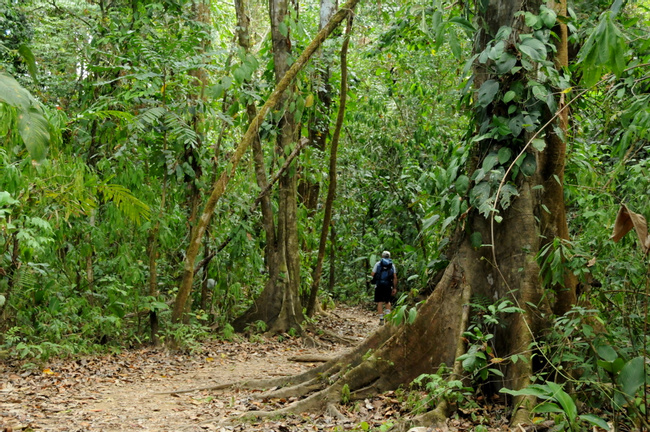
[(178, 170)]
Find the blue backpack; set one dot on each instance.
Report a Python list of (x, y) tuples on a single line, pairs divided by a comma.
[(384, 276)]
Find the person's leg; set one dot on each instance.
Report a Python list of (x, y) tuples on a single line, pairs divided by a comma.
[(380, 307)]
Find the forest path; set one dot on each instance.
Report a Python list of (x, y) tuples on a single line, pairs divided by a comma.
[(124, 392)]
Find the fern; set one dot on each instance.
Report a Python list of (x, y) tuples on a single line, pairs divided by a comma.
[(26, 280), (150, 117), (180, 129), (125, 202)]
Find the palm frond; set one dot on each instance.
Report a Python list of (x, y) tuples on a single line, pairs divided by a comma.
[(125, 202)]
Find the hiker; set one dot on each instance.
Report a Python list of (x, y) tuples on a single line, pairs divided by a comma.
[(384, 275)]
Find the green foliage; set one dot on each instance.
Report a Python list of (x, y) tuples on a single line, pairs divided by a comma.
[(365, 427), (603, 51), (510, 105), (610, 363), (480, 359), (437, 387), (19, 108), (132, 207), (559, 257), (345, 394), (556, 400), (402, 311), (184, 337)]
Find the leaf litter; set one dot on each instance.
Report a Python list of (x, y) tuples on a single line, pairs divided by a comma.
[(134, 390)]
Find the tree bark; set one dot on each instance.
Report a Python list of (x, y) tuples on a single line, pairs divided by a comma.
[(221, 183), (553, 160), (331, 191), (320, 119)]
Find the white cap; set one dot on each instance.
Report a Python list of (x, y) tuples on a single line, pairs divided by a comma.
[(385, 254)]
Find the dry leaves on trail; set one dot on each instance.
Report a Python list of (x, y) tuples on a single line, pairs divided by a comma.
[(135, 390), (119, 392)]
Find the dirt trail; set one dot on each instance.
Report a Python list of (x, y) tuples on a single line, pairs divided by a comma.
[(123, 392)]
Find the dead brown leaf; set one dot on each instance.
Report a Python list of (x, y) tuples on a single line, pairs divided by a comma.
[(626, 220)]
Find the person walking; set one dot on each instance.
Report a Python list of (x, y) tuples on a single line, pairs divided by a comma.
[(384, 275)]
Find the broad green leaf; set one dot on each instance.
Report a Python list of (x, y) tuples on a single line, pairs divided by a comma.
[(539, 144), (564, 399), (632, 376), (505, 62), (548, 407), (516, 125), (413, 313), (540, 92), (6, 199), (507, 192), (489, 162), (532, 20), (463, 23), (503, 33), (497, 50), (13, 93), (548, 16), (487, 92), (34, 130), (479, 194), (529, 165), (533, 48), (476, 239), (240, 75), (427, 223), (606, 352), (454, 45), (283, 29), (603, 51), (504, 155), (462, 185), (533, 390), (510, 95), (28, 57), (595, 420), (496, 372)]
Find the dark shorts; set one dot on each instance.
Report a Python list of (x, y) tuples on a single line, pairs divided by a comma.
[(383, 294)]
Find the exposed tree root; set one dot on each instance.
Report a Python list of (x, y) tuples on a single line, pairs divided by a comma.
[(212, 387), (310, 359), (320, 334), (436, 417), (386, 359), (333, 337), (394, 356), (433, 419), (334, 412)]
